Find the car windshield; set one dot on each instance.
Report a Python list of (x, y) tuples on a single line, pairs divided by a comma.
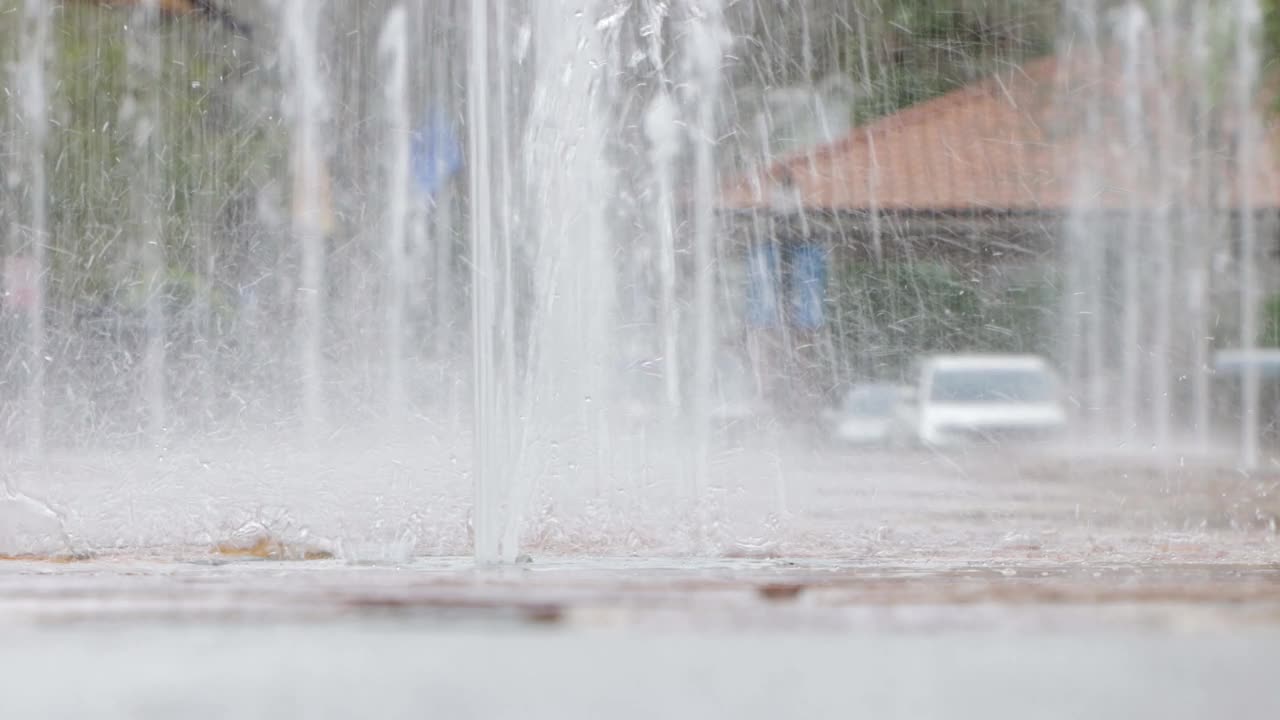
[(871, 402), (991, 385)]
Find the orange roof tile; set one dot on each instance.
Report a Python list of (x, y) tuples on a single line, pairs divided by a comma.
[(1014, 142)]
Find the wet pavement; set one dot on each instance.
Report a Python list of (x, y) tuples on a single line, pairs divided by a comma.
[(821, 580), (730, 637), (642, 638), (678, 593), (379, 668), (769, 496)]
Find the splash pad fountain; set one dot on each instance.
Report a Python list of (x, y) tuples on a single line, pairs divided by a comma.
[(469, 288), (413, 313), (228, 315), (1187, 236)]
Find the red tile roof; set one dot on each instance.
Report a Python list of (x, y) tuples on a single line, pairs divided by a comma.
[(1014, 142)]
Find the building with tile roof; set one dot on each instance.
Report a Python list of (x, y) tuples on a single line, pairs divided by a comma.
[(993, 166)]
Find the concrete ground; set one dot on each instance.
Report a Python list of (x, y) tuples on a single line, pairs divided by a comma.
[(812, 580), (642, 639)]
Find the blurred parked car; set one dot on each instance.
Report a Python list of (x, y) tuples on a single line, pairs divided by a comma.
[(865, 414), (982, 399)]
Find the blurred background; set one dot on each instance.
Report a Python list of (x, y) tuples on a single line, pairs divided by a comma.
[(546, 235)]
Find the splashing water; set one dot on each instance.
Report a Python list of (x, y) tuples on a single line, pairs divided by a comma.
[(252, 272)]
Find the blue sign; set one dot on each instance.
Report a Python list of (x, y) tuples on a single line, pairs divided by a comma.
[(808, 287), (437, 154), (763, 281)]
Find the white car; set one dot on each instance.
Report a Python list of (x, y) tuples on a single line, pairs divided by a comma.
[(866, 413), (982, 399)]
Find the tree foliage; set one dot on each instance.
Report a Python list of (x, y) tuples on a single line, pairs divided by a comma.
[(1271, 33)]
